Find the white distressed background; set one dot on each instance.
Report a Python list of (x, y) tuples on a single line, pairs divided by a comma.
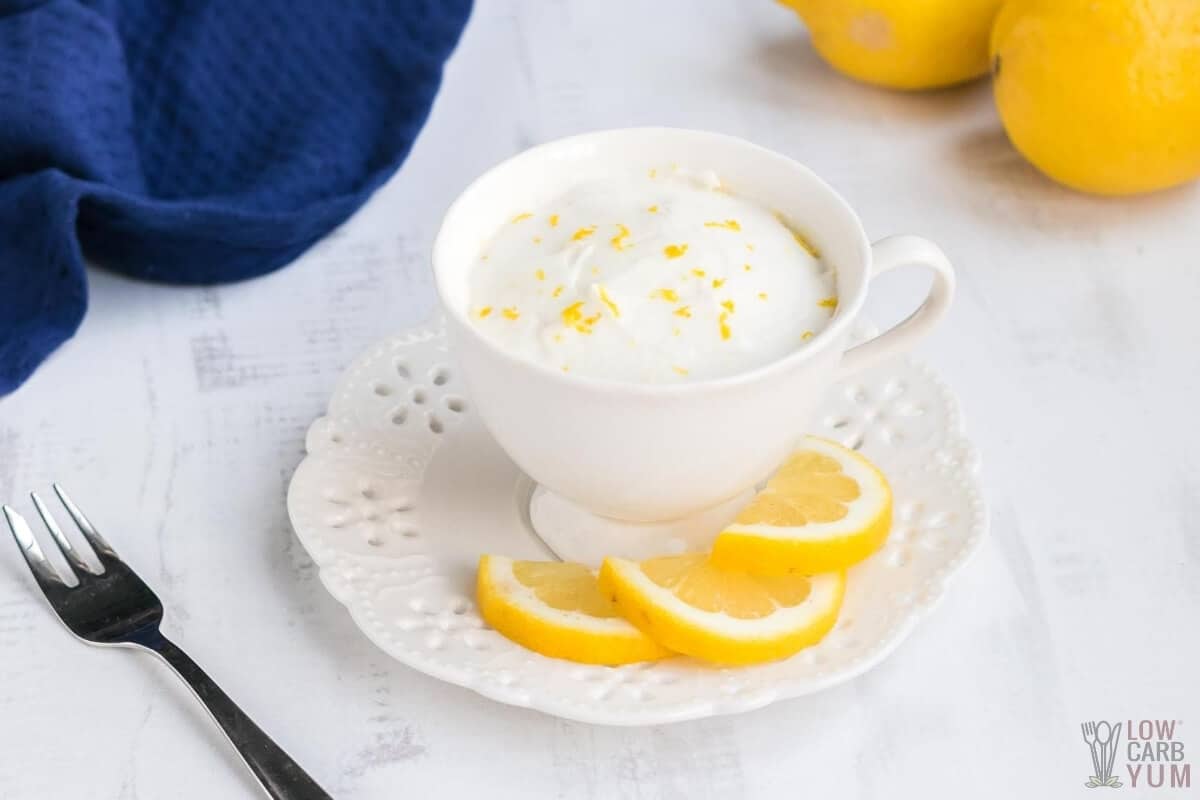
[(177, 415)]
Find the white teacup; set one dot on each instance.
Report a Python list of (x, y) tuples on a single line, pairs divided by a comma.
[(648, 452)]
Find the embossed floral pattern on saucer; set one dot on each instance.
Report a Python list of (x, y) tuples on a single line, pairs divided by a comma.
[(402, 490)]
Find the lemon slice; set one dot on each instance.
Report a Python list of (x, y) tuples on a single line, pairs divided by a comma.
[(828, 507), (726, 617), (557, 609)]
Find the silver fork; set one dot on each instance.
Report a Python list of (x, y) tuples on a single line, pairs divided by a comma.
[(114, 607), (1089, 736)]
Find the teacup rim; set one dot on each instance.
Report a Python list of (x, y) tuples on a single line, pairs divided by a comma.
[(847, 309)]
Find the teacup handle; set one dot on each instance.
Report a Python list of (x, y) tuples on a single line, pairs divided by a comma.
[(904, 251)]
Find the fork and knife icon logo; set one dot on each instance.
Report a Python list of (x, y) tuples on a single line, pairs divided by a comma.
[(1102, 737)]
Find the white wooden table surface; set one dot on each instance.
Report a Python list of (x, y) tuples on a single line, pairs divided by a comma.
[(177, 415)]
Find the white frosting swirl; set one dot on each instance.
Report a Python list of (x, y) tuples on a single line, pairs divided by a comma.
[(650, 278)]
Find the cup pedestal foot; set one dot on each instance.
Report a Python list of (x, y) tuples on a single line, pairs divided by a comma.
[(575, 534)]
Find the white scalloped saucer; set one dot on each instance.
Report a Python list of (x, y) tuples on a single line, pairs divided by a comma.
[(403, 489)]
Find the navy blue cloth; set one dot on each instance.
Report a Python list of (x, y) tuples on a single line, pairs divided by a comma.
[(193, 142)]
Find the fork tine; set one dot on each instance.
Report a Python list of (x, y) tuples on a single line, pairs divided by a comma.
[(42, 570), (103, 549), (64, 544)]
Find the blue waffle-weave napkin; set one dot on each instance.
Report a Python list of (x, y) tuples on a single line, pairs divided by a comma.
[(193, 142)]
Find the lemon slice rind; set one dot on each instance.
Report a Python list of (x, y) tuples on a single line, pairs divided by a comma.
[(515, 610), (814, 547), (716, 636)]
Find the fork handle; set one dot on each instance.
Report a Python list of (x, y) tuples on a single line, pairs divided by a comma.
[(280, 776)]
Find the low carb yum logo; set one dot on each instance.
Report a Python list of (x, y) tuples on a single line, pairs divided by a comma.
[(1153, 754)]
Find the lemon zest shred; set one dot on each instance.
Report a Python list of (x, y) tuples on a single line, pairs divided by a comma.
[(511, 313), (618, 241), (557, 290), (675, 250), (553, 220), (604, 298), (718, 283), (684, 311), (727, 305), (804, 337), (762, 295), (680, 370), (521, 217), (540, 274), (670, 295), (729, 225), (806, 244), (483, 312), (583, 233), (723, 325), (572, 313), (800, 240), (653, 209), (827, 302), (746, 267)]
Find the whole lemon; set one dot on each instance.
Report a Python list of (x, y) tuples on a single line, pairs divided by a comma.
[(902, 44), (1102, 95)]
